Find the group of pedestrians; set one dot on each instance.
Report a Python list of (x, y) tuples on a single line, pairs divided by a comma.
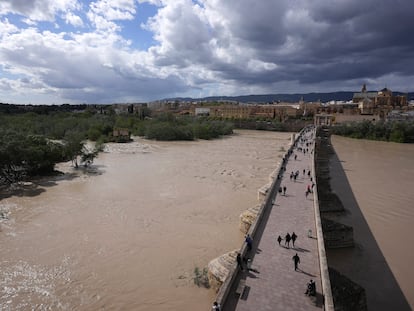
[(242, 261), (288, 237), (282, 190), (294, 175), (309, 189)]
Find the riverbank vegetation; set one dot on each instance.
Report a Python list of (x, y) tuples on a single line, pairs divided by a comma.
[(400, 132), (31, 143), (23, 155), (186, 128), (201, 277)]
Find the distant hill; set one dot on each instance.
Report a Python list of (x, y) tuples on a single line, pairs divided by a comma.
[(308, 97)]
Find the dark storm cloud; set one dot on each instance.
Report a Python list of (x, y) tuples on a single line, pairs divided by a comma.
[(356, 40), (312, 41), (127, 91), (258, 23)]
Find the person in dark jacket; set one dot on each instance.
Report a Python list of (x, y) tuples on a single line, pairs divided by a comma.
[(293, 237), (296, 261), (287, 240)]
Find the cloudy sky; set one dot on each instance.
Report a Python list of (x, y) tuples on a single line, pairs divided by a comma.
[(106, 51)]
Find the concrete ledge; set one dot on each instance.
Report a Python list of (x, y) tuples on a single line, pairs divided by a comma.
[(323, 262)]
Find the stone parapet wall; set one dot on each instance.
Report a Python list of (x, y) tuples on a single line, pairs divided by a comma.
[(323, 262)]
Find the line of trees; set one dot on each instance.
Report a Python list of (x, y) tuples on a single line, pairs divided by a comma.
[(168, 127), (400, 132), (32, 143)]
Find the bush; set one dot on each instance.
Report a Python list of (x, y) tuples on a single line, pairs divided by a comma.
[(401, 132), (201, 277)]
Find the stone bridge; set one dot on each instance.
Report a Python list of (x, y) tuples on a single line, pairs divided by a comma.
[(268, 280)]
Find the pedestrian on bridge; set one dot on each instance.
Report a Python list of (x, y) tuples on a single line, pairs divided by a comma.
[(296, 261), (249, 242), (293, 237), (239, 262), (216, 306), (287, 239), (279, 239)]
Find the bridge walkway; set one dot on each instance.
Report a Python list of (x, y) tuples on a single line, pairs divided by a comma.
[(272, 282)]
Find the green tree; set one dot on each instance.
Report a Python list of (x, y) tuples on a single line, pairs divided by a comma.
[(397, 133), (73, 145)]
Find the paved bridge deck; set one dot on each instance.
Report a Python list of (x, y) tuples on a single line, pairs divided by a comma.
[(272, 283)]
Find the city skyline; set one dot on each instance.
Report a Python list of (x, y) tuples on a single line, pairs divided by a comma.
[(103, 51)]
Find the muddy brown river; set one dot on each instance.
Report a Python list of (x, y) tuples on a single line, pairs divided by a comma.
[(128, 234), (375, 181)]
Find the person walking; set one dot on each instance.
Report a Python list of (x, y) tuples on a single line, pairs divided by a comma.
[(287, 239), (293, 237), (239, 262), (284, 190), (249, 242), (279, 239), (296, 261)]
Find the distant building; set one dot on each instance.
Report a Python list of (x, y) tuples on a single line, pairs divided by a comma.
[(121, 135), (202, 111), (237, 111), (397, 115), (323, 119), (378, 103)]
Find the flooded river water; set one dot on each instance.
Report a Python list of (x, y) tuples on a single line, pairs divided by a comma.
[(128, 234), (375, 181)]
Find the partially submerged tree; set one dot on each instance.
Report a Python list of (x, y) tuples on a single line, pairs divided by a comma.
[(26, 155), (88, 155), (74, 143), (77, 149)]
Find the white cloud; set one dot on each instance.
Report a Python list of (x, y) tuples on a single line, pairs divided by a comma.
[(38, 10), (153, 2), (7, 28), (104, 14), (114, 9), (259, 66), (74, 20)]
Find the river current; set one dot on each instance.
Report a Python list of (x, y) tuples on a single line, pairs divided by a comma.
[(375, 181), (128, 233)]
